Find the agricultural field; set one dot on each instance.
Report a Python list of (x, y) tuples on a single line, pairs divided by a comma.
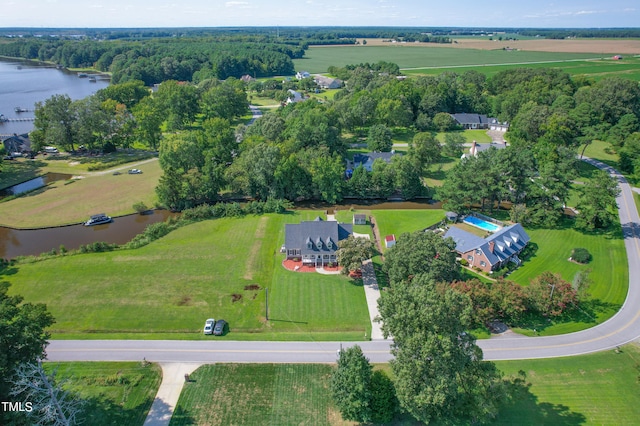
[(319, 59), (114, 392), (594, 69), (217, 268)]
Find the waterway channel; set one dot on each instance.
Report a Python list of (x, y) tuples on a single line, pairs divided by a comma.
[(25, 242)]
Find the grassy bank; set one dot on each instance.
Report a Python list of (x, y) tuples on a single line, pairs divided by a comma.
[(115, 393), (217, 268), (65, 202)]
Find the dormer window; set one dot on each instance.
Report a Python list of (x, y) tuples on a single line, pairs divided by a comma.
[(329, 244), (319, 243), (309, 243)]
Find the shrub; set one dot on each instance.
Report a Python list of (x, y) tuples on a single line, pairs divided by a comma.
[(464, 262), (581, 255), (140, 207)]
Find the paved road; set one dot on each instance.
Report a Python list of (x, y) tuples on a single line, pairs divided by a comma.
[(620, 329)]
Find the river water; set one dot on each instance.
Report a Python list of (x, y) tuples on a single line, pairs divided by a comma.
[(23, 83), (25, 242)]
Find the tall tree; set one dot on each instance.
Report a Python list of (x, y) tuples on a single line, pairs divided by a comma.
[(23, 339), (422, 253), (424, 150), (351, 385), (379, 138), (353, 251), (597, 205), (438, 368)]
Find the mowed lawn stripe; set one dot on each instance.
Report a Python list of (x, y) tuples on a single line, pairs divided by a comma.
[(196, 272)]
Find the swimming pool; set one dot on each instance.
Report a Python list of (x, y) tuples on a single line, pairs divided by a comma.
[(482, 224)]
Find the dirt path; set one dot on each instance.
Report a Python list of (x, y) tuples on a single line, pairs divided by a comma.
[(123, 167)]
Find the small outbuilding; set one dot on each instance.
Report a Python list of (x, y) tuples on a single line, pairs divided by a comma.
[(451, 216), (390, 241), (359, 219)]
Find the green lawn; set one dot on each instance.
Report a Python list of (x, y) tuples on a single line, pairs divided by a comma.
[(610, 273), (168, 288), (597, 389), (318, 59), (266, 394), (62, 202), (400, 221), (115, 393)]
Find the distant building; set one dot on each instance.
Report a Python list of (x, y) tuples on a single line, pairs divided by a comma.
[(247, 78), (17, 143), (479, 147), (366, 160), (302, 74), (327, 83), (294, 97)]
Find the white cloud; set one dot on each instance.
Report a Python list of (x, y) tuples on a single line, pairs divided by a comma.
[(242, 4)]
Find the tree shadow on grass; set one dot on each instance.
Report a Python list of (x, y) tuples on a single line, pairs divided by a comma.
[(97, 411), (586, 313), (523, 407)]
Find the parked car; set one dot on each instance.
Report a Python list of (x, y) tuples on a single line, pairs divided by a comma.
[(208, 326), (135, 171), (220, 328)]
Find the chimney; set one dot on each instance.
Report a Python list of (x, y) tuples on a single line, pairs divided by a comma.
[(492, 245)]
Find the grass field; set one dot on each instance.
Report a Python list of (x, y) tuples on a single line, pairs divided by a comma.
[(610, 274), (116, 393), (267, 394), (319, 59), (168, 288), (597, 389), (65, 202)]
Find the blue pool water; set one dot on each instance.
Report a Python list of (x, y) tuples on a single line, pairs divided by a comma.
[(482, 224)]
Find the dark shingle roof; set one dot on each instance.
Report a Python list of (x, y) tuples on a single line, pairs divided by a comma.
[(311, 237), (366, 160), (466, 118), (508, 241)]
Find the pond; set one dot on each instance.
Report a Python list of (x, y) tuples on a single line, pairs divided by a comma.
[(34, 183)]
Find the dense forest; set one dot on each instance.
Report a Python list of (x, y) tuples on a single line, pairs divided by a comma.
[(298, 151)]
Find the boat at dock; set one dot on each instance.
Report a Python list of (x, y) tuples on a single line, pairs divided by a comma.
[(20, 109), (98, 219), (83, 75)]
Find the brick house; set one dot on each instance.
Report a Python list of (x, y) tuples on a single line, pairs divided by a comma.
[(493, 252)]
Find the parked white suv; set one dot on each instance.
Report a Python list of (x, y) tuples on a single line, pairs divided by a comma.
[(208, 326)]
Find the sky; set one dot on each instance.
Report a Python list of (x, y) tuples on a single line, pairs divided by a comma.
[(223, 13)]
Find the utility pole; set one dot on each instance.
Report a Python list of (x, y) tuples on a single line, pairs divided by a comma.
[(266, 303)]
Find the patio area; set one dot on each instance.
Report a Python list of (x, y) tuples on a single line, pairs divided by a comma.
[(292, 265)]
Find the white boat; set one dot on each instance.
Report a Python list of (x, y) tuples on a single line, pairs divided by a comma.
[(98, 219)]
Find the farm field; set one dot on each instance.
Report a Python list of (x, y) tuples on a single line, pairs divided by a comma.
[(595, 69), (597, 389), (217, 268), (115, 392), (319, 59)]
